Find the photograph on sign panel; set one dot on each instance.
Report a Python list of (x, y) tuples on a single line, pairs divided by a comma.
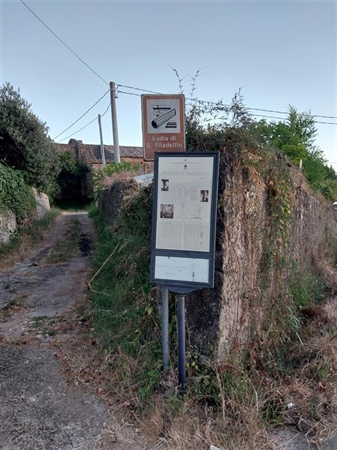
[(166, 211), (163, 116), (204, 195), (165, 186), (190, 190)]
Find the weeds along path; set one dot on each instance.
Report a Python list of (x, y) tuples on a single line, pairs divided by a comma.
[(45, 400)]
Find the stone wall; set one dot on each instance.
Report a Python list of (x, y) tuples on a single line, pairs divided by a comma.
[(7, 226), (111, 198), (227, 316), (8, 223), (255, 249)]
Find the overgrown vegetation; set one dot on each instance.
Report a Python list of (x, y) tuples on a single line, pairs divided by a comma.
[(15, 195), (111, 172), (214, 126), (284, 375), (124, 314), (24, 142), (27, 159)]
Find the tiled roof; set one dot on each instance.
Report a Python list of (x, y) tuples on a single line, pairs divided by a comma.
[(91, 153)]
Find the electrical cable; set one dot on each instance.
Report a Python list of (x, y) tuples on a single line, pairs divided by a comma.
[(72, 51), (128, 93), (82, 115), (85, 126), (285, 118), (147, 90), (217, 103), (75, 132), (275, 117), (139, 89)]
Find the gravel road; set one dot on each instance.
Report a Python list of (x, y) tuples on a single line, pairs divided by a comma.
[(40, 407)]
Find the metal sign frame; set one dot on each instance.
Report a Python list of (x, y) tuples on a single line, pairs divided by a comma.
[(184, 220), (163, 123)]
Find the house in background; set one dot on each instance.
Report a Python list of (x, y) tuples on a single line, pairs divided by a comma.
[(91, 154)]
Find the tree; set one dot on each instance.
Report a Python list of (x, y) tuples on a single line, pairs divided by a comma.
[(215, 126), (296, 138), (24, 141)]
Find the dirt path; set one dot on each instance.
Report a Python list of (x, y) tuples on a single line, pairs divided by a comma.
[(46, 402)]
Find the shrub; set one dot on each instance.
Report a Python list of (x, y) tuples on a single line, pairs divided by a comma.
[(15, 194)]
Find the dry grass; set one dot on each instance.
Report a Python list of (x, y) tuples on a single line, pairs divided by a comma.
[(169, 421), (188, 426)]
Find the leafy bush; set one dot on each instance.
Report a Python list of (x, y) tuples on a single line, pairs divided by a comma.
[(15, 194), (111, 170), (216, 126), (24, 142)]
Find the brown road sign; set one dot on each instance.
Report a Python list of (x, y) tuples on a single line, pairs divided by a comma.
[(163, 118)]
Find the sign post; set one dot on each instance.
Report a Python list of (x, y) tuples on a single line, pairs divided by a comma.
[(181, 341), (183, 229), (163, 119)]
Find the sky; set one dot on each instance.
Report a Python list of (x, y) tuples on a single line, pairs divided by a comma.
[(279, 53)]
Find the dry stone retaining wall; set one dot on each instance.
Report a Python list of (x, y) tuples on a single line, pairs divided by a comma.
[(8, 223), (7, 226), (224, 317)]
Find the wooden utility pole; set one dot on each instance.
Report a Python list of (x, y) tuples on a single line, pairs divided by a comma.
[(114, 122), (101, 137)]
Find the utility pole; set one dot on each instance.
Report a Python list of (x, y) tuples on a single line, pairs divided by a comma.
[(101, 137), (114, 122)]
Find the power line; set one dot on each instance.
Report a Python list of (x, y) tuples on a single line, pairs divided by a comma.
[(85, 126), (147, 90), (75, 132), (220, 104), (128, 93), (260, 109), (273, 117), (138, 95), (82, 115), (284, 118), (57, 37), (139, 89)]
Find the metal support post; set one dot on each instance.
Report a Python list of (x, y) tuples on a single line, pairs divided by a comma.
[(165, 327), (181, 341)]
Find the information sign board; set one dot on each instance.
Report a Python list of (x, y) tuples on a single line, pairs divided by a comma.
[(184, 219), (163, 120)]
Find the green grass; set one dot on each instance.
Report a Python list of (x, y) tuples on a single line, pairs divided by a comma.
[(123, 312), (306, 288)]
